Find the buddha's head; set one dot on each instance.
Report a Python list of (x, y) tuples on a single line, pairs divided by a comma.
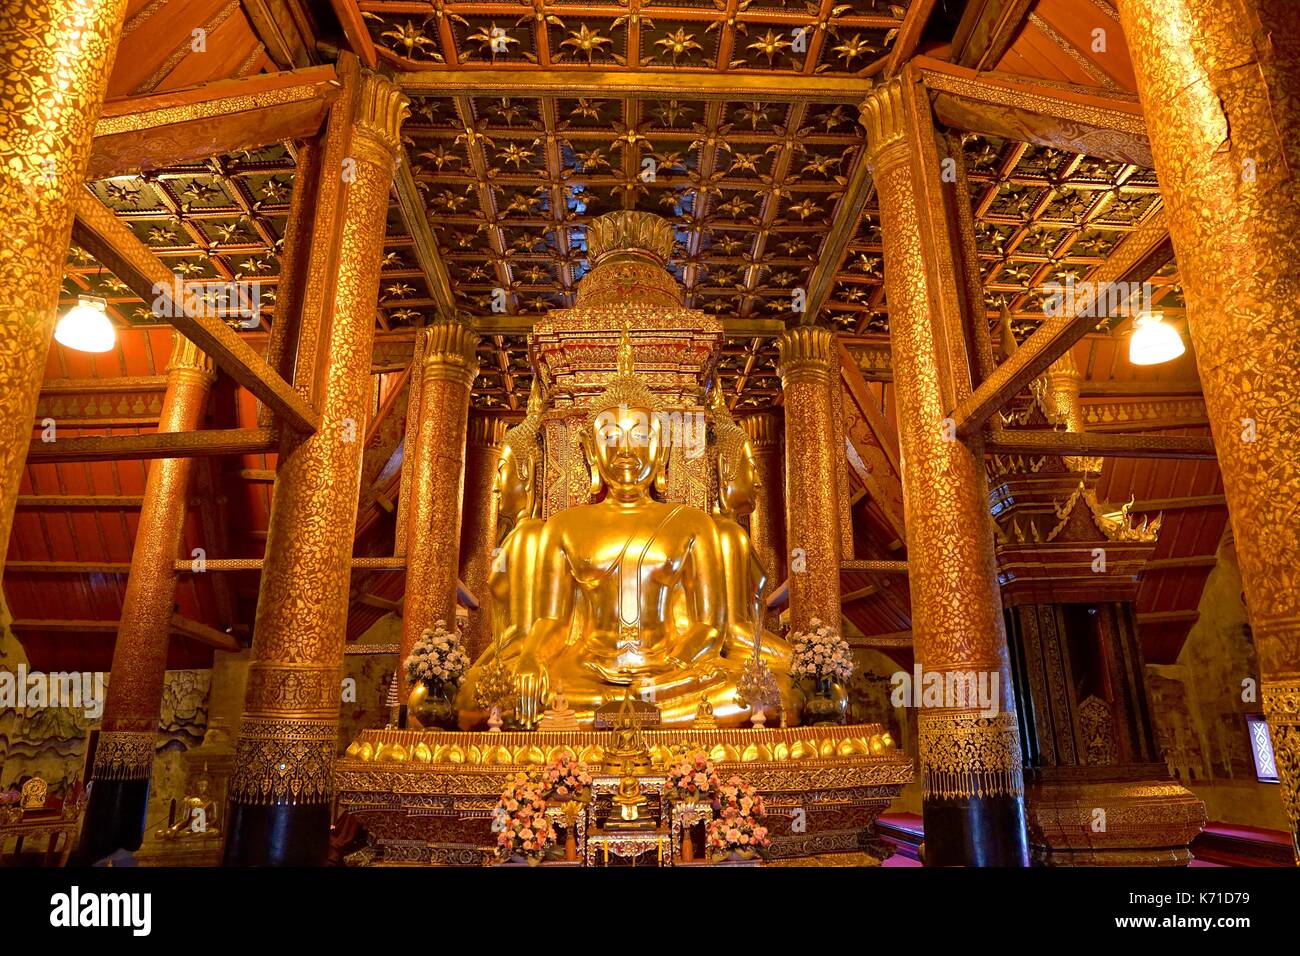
[(624, 439), (738, 482), (517, 470)]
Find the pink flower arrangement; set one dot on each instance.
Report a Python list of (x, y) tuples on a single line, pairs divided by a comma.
[(737, 827), (566, 779), (692, 777), (520, 820)]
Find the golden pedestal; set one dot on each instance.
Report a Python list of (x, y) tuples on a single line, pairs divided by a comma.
[(427, 796)]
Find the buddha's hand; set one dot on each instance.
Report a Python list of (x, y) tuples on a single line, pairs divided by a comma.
[(533, 681)]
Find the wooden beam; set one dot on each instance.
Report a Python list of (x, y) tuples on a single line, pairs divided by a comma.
[(1080, 119), (287, 38), (113, 243), (879, 567), (909, 35), (386, 563), (1119, 389), (68, 567), (415, 215), (642, 83), (851, 596), (354, 29), (219, 441), (844, 225), (80, 502), (1139, 255), (184, 126), (203, 633), (1169, 617), (1180, 504), (986, 31), (121, 383), (895, 639), (64, 626), (1180, 564), (1106, 444)]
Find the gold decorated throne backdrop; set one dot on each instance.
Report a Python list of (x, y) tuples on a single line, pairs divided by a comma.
[(576, 352)]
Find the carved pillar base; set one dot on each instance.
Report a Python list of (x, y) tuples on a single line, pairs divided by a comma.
[(1074, 821)]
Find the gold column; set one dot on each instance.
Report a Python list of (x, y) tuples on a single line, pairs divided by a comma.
[(437, 482), (806, 362), (767, 521), (55, 60), (957, 626), (140, 655), (479, 533), (130, 722), (1219, 82), (287, 743)]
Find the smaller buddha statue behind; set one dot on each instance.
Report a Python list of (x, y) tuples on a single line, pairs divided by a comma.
[(559, 716)]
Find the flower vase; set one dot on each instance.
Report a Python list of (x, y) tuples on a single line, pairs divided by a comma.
[(759, 720), (431, 705), (827, 704), (571, 832)]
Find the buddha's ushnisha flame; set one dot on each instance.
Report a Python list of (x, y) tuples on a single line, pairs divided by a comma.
[(625, 389)]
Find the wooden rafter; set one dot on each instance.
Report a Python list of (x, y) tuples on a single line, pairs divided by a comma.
[(113, 243), (1134, 259), (416, 217), (203, 633), (168, 129), (645, 83), (1106, 444), (221, 441), (986, 31), (1079, 119)]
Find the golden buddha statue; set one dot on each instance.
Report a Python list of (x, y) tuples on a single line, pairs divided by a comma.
[(195, 815), (738, 487), (559, 716), (704, 715), (519, 526), (631, 591), (629, 799)]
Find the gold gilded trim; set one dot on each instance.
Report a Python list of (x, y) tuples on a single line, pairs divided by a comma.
[(968, 755)]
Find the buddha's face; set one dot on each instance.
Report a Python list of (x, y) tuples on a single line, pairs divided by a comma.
[(738, 491), (513, 490), (626, 444)]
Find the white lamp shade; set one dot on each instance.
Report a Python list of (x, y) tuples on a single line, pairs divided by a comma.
[(86, 327), (1154, 341)]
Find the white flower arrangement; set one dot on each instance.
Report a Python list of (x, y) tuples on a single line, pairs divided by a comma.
[(821, 652), (437, 657)]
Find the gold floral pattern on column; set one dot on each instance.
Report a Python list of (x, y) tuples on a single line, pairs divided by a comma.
[(287, 738), (806, 360), (434, 508), (956, 612), (1220, 89), (144, 629), (55, 60)]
